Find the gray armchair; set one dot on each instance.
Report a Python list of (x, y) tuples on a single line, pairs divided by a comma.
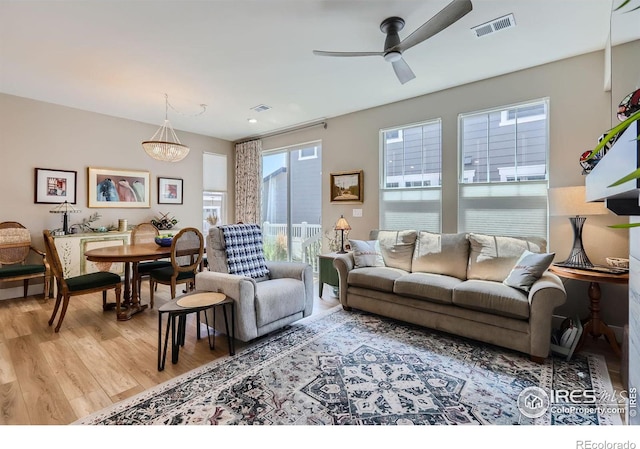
[(263, 304)]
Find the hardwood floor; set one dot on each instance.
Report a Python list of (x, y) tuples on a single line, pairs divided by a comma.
[(96, 361)]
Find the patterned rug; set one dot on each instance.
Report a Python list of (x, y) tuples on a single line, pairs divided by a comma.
[(360, 369)]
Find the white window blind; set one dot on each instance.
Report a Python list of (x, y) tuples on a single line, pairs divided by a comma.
[(503, 173), (214, 172), (411, 176)]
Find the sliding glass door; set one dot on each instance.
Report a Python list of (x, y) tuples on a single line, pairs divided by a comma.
[(291, 203)]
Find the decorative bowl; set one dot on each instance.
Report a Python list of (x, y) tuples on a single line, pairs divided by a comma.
[(618, 262), (164, 240)]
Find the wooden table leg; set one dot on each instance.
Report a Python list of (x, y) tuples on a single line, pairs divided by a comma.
[(594, 325), (131, 294)]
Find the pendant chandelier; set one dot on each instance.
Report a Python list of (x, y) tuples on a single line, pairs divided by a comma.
[(165, 145)]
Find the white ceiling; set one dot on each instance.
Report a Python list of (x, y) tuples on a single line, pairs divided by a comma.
[(121, 57)]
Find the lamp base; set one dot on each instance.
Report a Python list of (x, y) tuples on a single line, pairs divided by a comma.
[(342, 251), (577, 257)]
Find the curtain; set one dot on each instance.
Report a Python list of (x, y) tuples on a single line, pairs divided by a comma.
[(248, 181)]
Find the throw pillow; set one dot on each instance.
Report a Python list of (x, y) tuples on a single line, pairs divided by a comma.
[(366, 253), (492, 257), (528, 269), (397, 248), (446, 254), (245, 256)]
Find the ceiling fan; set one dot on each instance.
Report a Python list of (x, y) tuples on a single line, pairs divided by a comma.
[(394, 47)]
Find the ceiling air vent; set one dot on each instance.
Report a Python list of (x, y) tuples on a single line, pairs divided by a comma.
[(499, 24), (261, 108)]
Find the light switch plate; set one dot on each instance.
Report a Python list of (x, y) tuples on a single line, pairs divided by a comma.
[(357, 212)]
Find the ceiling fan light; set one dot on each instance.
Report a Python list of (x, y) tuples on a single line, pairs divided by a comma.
[(392, 56)]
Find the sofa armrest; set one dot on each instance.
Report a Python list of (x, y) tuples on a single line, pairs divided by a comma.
[(280, 269), (241, 288), (295, 270), (545, 295), (343, 263)]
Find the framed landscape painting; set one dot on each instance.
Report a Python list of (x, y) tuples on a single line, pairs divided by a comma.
[(169, 190), (55, 186), (347, 187), (118, 188)]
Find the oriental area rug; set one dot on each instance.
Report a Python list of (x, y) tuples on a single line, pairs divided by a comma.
[(353, 368)]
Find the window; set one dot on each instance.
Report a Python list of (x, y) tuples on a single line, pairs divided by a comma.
[(308, 153), (393, 136), (213, 207), (411, 177), (214, 188), (503, 171), (292, 203)]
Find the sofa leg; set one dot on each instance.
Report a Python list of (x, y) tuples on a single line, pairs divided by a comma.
[(347, 308), (536, 359)]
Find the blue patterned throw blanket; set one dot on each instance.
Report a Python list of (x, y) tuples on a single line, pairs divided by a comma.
[(244, 250)]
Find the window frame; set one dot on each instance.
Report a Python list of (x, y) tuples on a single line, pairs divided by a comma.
[(398, 187), (491, 186)]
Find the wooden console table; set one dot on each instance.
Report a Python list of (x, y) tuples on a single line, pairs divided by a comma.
[(594, 325)]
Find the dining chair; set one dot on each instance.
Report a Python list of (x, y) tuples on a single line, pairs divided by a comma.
[(15, 247), (187, 249), (78, 285), (141, 234)]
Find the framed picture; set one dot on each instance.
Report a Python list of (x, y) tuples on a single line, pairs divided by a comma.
[(55, 186), (118, 188), (347, 187), (169, 190)]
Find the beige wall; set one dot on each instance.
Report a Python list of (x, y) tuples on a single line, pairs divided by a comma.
[(580, 113), (36, 134)]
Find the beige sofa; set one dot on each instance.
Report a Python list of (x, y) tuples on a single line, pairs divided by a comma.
[(455, 283)]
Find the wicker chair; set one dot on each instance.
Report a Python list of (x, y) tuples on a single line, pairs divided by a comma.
[(187, 249), (15, 246), (145, 233), (79, 285)]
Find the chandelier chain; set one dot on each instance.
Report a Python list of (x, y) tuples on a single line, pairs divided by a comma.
[(169, 105)]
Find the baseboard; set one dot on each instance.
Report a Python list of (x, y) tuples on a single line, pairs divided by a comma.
[(18, 292)]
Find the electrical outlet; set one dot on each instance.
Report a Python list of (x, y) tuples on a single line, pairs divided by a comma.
[(357, 212)]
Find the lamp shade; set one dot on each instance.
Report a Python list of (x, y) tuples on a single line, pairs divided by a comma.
[(342, 225), (570, 201)]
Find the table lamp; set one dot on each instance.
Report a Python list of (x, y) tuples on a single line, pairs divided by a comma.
[(342, 225), (570, 201), (64, 208)]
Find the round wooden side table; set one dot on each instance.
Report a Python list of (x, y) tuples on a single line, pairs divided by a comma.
[(594, 325), (178, 309)]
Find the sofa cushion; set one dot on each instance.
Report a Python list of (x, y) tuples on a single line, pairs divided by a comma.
[(366, 253), (427, 286), (441, 254), (491, 297), (397, 248), (376, 278), (492, 257), (528, 269)]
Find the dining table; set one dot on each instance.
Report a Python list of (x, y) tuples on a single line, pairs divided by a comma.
[(131, 255)]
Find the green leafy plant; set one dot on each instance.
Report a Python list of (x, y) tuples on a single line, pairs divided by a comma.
[(625, 3)]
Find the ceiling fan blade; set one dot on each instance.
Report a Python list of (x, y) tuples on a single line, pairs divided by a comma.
[(403, 71), (347, 53), (451, 13)]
